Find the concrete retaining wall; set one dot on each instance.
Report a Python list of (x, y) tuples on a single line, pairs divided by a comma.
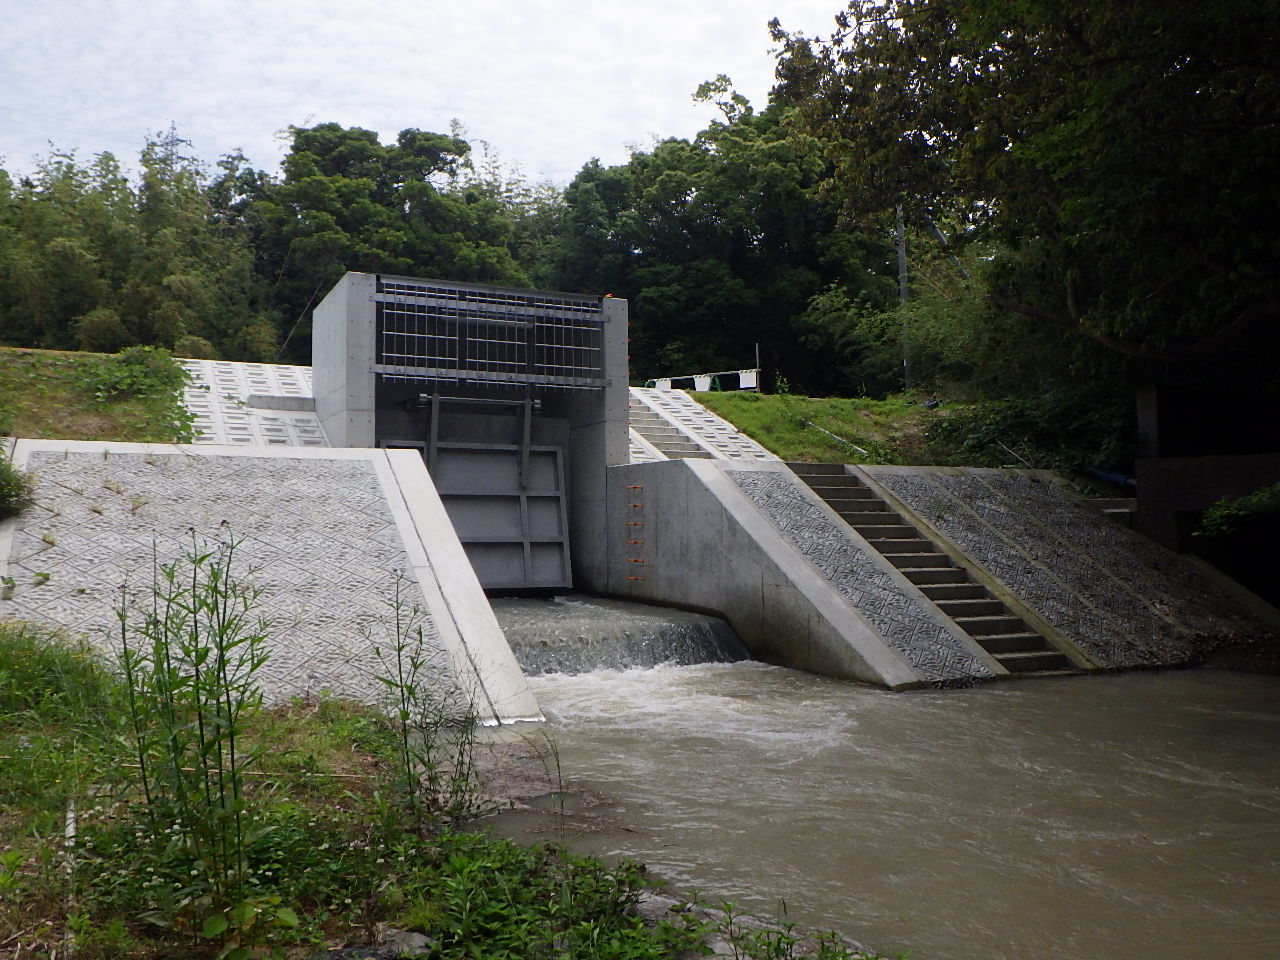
[(324, 533), (1124, 600), (707, 546)]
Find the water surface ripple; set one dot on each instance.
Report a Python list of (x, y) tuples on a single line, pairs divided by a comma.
[(1133, 816)]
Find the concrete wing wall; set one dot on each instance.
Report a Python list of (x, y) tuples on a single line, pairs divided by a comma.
[(323, 534), (342, 352), (1124, 600), (695, 534)]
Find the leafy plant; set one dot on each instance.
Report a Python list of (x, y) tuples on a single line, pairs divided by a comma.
[(139, 371), (1228, 514), (190, 666), (434, 722), (16, 489), (146, 372)]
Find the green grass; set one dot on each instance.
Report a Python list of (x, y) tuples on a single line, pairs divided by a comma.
[(887, 431), (57, 395), (1066, 430)]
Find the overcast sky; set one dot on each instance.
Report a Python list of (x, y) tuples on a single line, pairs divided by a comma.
[(549, 83)]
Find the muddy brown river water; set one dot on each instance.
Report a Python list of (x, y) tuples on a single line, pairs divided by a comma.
[(1132, 816)]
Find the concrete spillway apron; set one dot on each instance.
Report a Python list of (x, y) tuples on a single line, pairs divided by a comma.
[(324, 533)]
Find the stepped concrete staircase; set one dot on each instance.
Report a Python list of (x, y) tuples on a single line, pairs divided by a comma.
[(667, 439), (952, 589)]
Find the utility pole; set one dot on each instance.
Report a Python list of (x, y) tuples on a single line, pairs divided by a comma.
[(903, 294)]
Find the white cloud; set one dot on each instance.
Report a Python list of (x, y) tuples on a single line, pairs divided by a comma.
[(549, 83)]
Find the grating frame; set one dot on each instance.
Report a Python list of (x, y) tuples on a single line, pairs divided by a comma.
[(431, 332)]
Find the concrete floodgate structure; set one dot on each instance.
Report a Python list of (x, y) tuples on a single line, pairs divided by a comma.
[(485, 439)]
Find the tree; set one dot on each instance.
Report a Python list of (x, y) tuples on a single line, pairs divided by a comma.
[(1122, 154), (719, 243), (87, 260), (349, 202)]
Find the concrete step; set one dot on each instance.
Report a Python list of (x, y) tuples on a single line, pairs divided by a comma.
[(913, 545), (1041, 662), (999, 623), (817, 469), (889, 531), (867, 518), (859, 497), (667, 433), (657, 423), (919, 561), (936, 576), (971, 607), (831, 479), (833, 482), (850, 499), (1022, 642), (953, 591)]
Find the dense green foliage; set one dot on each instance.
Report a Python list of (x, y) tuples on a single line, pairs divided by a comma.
[(1121, 156), (1084, 193), (92, 261), (1062, 429), (720, 243)]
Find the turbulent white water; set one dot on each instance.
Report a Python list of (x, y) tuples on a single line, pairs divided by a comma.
[(576, 633), (1133, 816)]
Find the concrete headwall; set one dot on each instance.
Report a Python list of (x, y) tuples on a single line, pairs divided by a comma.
[(598, 440), (699, 534), (324, 534)]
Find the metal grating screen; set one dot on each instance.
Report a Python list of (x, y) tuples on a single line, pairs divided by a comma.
[(436, 332)]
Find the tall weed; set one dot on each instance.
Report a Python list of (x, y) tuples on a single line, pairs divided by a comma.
[(190, 664), (434, 721)]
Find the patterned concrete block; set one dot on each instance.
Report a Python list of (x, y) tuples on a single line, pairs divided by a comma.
[(1125, 600), (223, 394), (714, 434), (323, 534)]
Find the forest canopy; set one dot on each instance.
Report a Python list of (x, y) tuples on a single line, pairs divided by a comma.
[(1120, 157), (1084, 194)]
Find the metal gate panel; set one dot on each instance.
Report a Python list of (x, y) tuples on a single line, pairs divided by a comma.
[(514, 529)]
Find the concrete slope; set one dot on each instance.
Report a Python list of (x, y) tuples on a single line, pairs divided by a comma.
[(1003, 628), (678, 426), (750, 542), (251, 404), (324, 533), (1122, 599)]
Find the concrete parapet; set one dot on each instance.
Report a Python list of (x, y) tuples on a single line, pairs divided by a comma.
[(323, 533)]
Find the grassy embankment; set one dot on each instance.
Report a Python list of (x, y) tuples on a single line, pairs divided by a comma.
[(1066, 430), (51, 394), (153, 807), (886, 431)]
